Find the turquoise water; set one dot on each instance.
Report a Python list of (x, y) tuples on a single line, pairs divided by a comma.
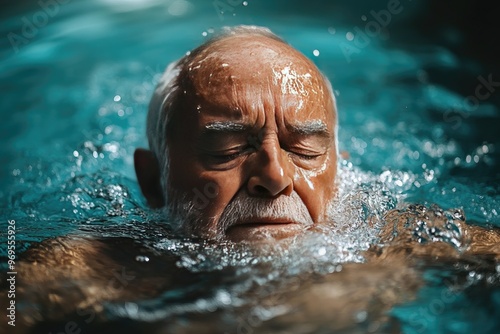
[(74, 100)]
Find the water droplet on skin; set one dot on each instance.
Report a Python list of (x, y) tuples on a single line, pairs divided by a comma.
[(322, 251), (361, 316), (459, 215)]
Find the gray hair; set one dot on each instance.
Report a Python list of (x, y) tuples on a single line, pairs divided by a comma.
[(167, 95)]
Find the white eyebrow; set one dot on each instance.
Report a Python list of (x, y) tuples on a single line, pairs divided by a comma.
[(225, 126), (312, 127)]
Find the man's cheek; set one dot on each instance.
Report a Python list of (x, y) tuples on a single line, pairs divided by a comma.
[(202, 196)]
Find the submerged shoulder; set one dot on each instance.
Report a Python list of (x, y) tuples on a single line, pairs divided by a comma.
[(98, 259), (64, 252), (69, 275), (432, 231)]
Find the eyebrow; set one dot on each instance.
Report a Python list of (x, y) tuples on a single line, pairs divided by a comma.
[(225, 126), (310, 128)]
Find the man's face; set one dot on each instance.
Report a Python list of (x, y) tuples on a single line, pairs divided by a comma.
[(253, 149)]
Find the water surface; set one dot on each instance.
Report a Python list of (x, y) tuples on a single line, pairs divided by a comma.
[(74, 106)]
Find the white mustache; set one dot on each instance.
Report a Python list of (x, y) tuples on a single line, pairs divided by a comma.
[(244, 208)]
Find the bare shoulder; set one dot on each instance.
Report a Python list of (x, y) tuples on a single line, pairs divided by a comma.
[(482, 240), (68, 254), (72, 275), (100, 260), (419, 230)]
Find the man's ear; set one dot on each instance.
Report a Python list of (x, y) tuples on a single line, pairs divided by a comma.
[(147, 170)]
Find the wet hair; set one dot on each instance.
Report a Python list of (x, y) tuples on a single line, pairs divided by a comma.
[(167, 96)]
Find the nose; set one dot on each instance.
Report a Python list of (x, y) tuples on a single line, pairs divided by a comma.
[(270, 175)]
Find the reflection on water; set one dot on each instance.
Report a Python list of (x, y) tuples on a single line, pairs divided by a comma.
[(80, 99)]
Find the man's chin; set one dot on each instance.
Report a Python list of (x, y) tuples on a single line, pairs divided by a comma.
[(262, 232)]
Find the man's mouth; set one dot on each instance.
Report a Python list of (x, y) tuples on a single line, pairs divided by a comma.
[(263, 229)]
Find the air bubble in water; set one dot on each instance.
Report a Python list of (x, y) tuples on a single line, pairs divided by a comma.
[(142, 258)]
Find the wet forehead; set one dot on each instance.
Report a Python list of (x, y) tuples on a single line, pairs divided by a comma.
[(255, 73)]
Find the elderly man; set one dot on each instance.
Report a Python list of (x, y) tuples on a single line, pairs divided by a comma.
[(242, 133)]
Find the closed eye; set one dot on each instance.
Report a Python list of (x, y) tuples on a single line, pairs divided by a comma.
[(307, 156), (222, 158), (226, 156)]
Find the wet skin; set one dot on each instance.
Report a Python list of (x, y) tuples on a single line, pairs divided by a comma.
[(257, 120)]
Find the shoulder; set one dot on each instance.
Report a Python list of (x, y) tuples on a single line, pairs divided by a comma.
[(432, 231)]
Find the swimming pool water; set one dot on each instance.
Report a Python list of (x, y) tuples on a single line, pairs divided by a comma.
[(74, 101)]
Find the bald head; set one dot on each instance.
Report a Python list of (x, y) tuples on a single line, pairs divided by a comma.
[(261, 64), (241, 55), (244, 117)]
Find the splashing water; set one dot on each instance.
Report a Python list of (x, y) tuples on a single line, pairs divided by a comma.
[(71, 141)]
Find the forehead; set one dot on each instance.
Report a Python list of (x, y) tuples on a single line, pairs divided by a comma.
[(251, 73)]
